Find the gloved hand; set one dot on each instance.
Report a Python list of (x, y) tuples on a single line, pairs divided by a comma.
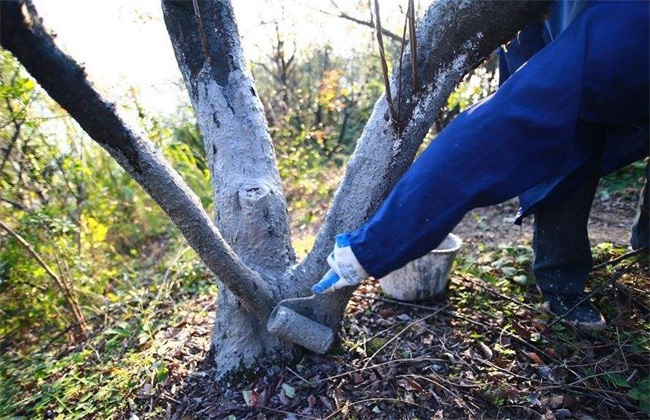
[(345, 268)]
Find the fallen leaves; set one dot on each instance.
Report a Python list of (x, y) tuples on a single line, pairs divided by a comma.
[(481, 354)]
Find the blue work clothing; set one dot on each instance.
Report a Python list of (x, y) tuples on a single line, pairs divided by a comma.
[(583, 96), (525, 45)]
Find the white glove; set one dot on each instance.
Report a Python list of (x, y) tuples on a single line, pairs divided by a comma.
[(346, 270)]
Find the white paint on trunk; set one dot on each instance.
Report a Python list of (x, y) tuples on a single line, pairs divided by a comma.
[(250, 211), (249, 202)]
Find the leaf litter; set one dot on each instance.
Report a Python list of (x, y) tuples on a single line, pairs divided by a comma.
[(479, 351)]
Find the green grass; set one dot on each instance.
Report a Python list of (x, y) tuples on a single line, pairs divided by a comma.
[(623, 181), (116, 366)]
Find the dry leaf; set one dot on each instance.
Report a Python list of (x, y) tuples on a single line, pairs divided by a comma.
[(283, 398), (557, 374), (555, 401), (487, 352), (535, 358), (534, 400), (326, 402)]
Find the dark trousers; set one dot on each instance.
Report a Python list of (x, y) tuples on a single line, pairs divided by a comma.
[(562, 253)]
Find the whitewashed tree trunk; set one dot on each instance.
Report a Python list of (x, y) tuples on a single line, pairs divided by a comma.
[(249, 246)]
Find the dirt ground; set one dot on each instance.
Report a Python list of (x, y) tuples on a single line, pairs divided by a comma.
[(610, 221), (479, 352)]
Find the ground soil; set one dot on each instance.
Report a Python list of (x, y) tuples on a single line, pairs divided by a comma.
[(477, 352), (610, 221)]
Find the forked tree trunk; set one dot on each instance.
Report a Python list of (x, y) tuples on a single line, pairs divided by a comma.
[(250, 247), (453, 37)]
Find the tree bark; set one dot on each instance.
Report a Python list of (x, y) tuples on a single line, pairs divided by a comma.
[(251, 210)]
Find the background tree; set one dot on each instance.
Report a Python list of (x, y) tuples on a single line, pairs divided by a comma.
[(249, 246)]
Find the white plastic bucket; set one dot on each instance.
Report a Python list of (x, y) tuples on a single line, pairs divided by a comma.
[(426, 277)]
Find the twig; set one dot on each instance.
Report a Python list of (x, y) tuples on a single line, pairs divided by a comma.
[(413, 43), (393, 338), (384, 66), (345, 16), (594, 292), (626, 291), (399, 72), (493, 366), (199, 23), (367, 400), (508, 333), (74, 306), (483, 285), (464, 318), (390, 362), (397, 302), (299, 377), (621, 258), (588, 392), (463, 401), (12, 142), (14, 203), (287, 414)]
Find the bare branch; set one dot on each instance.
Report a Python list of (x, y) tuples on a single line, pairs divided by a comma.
[(63, 287), (22, 33), (384, 66), (413, 42), (342, 15), (15, 204), (12, 143), (399, 71)]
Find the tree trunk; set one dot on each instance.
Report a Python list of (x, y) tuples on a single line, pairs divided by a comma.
[(251, 210), (249, 249), (454, 37)]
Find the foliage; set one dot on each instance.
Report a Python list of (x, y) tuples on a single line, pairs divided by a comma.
[(317, 104), (624, 180), (70, 201), (120, 365)]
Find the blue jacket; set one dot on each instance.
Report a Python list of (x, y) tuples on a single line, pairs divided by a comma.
[(625, 142)]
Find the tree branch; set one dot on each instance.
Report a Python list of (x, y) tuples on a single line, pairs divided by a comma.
[(342, 15), (14, 137), (22, 33), (14, 203), (384, 65)]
